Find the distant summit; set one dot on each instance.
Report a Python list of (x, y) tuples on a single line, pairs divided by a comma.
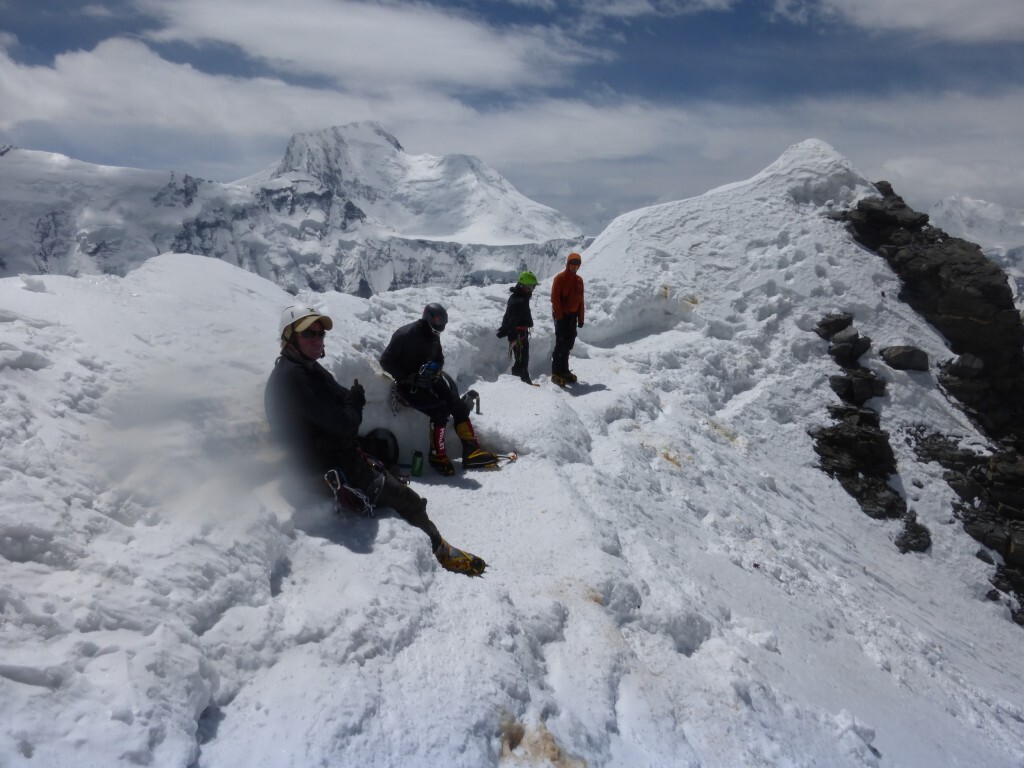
[(346, 209), (451, 197)]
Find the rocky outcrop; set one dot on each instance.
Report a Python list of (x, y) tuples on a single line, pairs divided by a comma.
[(965, 296), (968, 299), (856, 450), (905, 358)]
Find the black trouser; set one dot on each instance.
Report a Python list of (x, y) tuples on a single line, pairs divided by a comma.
[(565, 338), (439, 401), (383, 489), (519, 348)]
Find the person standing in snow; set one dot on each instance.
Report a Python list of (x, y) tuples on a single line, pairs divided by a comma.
[(516, 325), (317, 420), (415, 360), (567, 309)]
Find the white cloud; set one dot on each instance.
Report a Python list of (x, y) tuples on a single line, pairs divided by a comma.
[(122, 83), (365, 46), (638, 8), (964, 21), (591, 160), (98, 11)]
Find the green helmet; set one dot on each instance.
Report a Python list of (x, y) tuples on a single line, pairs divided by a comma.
[(527, 278)]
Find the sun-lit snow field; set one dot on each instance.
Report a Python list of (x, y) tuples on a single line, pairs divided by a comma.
[(671, 581)]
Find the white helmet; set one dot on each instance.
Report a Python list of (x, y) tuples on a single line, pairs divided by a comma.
[(299, 312)]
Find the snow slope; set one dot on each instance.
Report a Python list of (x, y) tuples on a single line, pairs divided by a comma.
[(671, 582)]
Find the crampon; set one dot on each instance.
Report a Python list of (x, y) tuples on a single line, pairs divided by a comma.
[(457, 561)]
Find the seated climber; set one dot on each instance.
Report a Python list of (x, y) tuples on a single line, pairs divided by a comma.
[(415, 361), (317, 421)]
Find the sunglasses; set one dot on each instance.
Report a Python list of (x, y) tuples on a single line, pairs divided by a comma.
[(575, 263), (311, 334)]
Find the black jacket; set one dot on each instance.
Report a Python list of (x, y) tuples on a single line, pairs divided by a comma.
[(310, 413), (410, 347), (517, 312)]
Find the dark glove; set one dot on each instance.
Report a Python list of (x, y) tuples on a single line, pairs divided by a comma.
[(356, 395), (501, 334), (579, 323)]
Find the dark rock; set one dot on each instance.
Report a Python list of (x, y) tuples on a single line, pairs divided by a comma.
[(905, 358), (1009, 579), (877, 499), (845, 444), (860, 458), (1015, 549), (966, 366), (989, 532), (914, 537), (857, 386), (1005, 475), (965, 296), (855, 415), (985, 556), (831, 324), (1007, 512), (846, 336), (847, 347), (875, 221), (964, 486), (932, 446)]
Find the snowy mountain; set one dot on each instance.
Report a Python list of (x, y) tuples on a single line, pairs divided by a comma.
[(347, 209), (672, 578), (997, 229)]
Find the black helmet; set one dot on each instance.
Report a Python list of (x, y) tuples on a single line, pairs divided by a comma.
[(436, 317)]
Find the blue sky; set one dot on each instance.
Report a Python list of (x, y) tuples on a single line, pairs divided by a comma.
[(595, 107)]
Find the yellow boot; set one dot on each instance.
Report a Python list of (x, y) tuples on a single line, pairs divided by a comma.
[(473, 456)]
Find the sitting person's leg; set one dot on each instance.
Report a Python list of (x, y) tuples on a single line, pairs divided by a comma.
[(473, 456), (413, 509), (435, 404)]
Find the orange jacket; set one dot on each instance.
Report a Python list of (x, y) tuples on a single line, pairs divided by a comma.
[(567, 293)]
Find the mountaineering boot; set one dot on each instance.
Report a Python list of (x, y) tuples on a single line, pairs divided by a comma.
[(566, 377), (455, 560), (473, 456), (523, 376), (438, 458), (522, 373)]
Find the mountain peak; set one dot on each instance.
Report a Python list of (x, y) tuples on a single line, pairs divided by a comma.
[(340, 153), (455, 197)]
